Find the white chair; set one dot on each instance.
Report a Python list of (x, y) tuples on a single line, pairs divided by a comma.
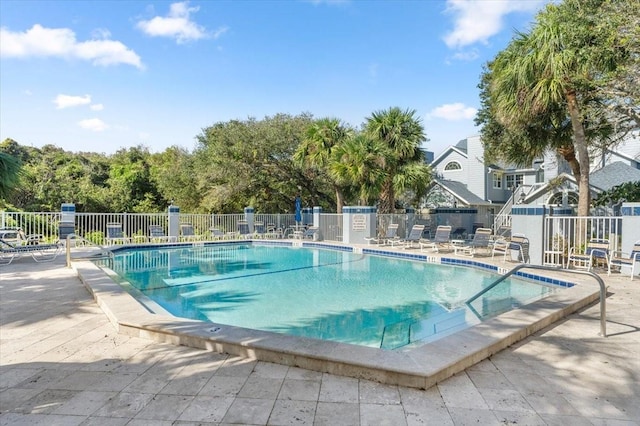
[(596, 250), (481, 240), (622, 260), (442, 239), (390, 235), (414, 237), (518, 245)]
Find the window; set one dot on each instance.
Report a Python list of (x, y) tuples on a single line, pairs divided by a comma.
[(514, 181), (497, 181), (556, 199), (540, 175), (453, 165)]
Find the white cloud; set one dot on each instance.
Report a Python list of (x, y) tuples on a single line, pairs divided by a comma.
[(178, 24), (478, 20), (453, 112), (68, 101), (96, 107), (62, 43), (93, 124)]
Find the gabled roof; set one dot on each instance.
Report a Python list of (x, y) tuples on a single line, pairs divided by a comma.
[(462, 145), (447, 151), (613, 174), (459, 191)]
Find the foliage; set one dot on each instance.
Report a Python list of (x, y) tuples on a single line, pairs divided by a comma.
[(402, 133), (241, 163), (322, 138), (628, 191), (10, 168), (542, 91)]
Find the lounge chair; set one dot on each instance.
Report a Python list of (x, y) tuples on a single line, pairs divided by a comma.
[(217, 234), (157, 235), (414, 237), (115, 235), (187, 233), (16, 236), (597, 250), (481, 240), (442, 239), (622, 260), (39, 252), (260, 230), (518, 244), (311, 233), (390, 235), (243, 229)]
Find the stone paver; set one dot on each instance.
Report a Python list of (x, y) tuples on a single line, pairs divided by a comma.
[(62, 362)]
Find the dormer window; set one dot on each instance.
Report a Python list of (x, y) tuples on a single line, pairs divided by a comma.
[(452, 165)]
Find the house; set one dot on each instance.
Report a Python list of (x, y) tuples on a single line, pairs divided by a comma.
[(462, 179)]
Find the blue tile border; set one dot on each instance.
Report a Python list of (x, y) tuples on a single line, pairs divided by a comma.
[(327, 246), (352, 209)]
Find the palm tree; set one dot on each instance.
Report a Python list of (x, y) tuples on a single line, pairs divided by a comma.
[(401, 132), (321, 139), (9, 174), (543, 82), (359, 162)]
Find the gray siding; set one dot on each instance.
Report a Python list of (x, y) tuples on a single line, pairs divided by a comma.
[(476, 179)]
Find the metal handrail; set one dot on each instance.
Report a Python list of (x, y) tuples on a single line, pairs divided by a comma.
[(603, 290), (103, 250)]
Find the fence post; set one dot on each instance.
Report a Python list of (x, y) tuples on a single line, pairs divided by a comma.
[(358, 223), (174, 221), (249, 215), (630, 225), (317, 211)]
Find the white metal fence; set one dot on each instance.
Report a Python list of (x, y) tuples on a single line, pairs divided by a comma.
[(560, 233), (563, 233), (331, 226)]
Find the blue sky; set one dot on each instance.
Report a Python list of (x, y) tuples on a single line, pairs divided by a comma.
[(102, 75)]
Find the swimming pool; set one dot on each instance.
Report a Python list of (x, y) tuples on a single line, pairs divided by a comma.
[(314, 292)]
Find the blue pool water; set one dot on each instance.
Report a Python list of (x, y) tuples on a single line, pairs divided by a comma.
[(326, 294)]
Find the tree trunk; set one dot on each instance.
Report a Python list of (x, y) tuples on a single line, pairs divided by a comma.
[(339, 199), (387, 198), (580, 143), (569, 154)]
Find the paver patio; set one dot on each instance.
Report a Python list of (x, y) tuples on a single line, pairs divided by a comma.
[(63, 363)]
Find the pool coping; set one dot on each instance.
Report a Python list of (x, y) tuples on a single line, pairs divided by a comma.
[(418, 367)]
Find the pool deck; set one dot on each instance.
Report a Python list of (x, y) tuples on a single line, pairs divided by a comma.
[(62, 361)]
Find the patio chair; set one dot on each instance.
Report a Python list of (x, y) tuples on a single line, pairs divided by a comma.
[(115, 234), (442, 239), (390, 235), (243, 229), (260, 231), (39, 252), (187, 233), (622, 260), (157, 235), (311, 233), (597, 250), (414, 237), (481, 240), (518, 244), (16, 236)]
